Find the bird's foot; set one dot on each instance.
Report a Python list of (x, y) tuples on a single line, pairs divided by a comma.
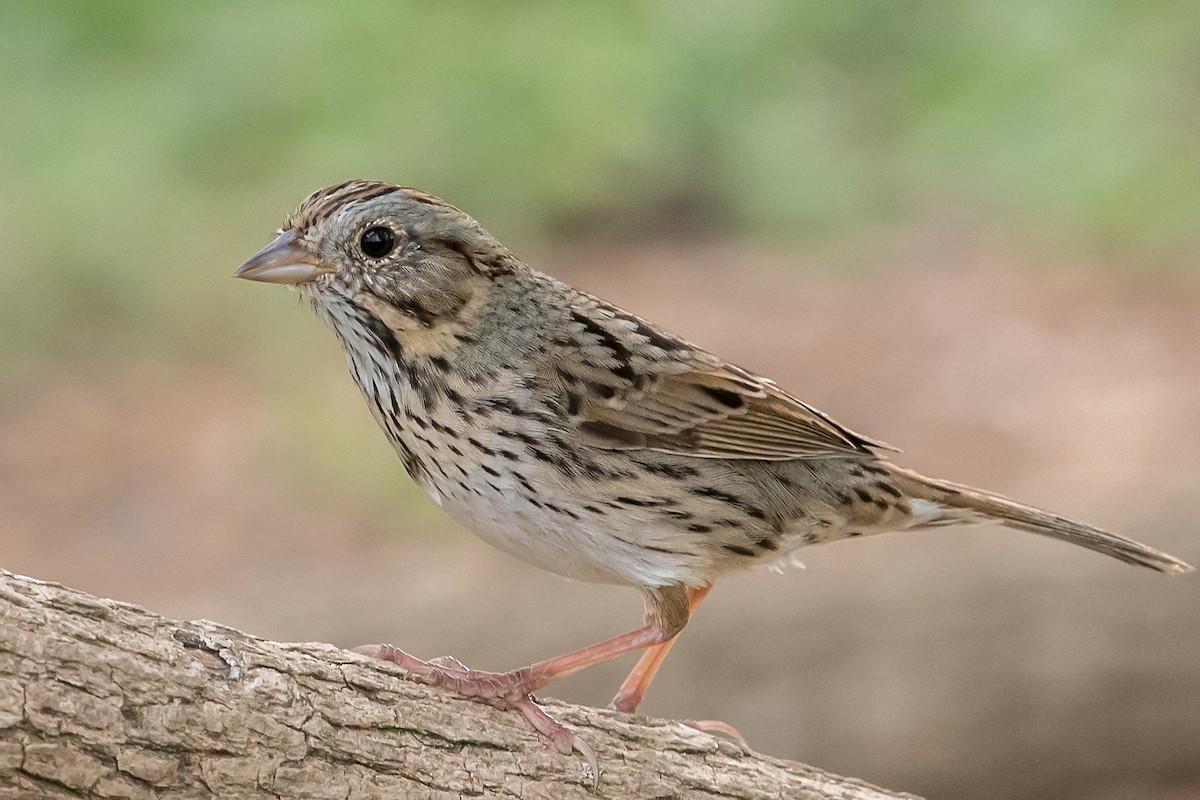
[(627, 703), (514, 689)]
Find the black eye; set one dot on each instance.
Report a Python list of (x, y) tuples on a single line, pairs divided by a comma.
[(377, 242)]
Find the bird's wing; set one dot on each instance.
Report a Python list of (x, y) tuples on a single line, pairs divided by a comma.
[(637, 387)]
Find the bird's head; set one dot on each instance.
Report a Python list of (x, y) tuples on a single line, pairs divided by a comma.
[(381, 245)]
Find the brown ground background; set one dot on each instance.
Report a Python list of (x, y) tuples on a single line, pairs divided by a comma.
[(964, 664)]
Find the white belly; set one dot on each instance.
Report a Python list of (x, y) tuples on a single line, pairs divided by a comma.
[(582, 545)]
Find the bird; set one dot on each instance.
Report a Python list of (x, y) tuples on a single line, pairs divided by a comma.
[(588, 441)]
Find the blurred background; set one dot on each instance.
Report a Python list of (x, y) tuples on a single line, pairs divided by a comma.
[(969, 230)]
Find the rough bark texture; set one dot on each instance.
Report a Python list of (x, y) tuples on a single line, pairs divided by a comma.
[(99, 698)]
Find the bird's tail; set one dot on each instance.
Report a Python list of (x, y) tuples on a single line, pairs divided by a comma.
[(954, 502)]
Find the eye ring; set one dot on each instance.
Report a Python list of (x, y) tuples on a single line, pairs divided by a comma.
[(377, 241)]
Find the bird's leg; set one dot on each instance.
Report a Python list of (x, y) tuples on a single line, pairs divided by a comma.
[(634, 687), (667, 611)]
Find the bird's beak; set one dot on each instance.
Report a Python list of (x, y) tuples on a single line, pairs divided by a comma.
[(286, 260)]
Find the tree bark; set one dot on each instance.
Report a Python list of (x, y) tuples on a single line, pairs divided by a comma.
[(99, 698)]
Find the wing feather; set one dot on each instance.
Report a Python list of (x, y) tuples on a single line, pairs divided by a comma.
[(636, 386)]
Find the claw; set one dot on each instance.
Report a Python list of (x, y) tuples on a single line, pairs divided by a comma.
[(371, 650), (717, 728), (589, 756)]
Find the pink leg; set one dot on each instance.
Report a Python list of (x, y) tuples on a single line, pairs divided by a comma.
[(667, 611), (634, 687)]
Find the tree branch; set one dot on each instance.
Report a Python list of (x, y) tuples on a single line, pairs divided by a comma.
[(99, 698)]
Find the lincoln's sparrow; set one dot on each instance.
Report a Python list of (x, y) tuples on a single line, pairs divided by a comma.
[(585, 440)]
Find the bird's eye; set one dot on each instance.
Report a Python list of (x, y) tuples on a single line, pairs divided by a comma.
[(377, 242)]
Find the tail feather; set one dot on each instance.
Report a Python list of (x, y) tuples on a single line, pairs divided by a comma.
[(957, 499)]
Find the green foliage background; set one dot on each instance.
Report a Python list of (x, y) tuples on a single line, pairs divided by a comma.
[(147, 148)]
